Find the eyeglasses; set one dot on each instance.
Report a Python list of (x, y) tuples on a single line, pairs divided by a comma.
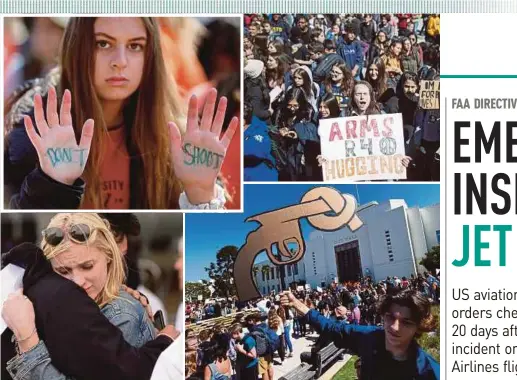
[(79, 233)]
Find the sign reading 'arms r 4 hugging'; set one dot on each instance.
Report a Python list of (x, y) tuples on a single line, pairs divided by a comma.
[(362, 148)]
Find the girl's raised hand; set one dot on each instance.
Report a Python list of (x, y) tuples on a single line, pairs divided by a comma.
[(198, 156), (60, 157)]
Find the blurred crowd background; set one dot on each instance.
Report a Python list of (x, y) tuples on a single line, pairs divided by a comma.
[(151, 257)]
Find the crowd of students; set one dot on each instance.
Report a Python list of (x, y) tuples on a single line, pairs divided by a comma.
[(300, 69), (233, 350)]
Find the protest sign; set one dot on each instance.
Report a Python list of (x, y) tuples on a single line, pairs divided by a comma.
[(362, 148), (429, 94)]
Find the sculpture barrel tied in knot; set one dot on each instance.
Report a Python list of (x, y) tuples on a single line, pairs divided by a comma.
[(325, 208)]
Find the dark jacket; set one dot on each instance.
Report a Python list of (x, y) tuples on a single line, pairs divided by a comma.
[(368, 342), (257, 94), (324, 66), (82, 343), (288, 152), (367, 32), (410, 62), (401, 103), (25, 184)]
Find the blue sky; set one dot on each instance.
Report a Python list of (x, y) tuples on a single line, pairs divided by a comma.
[(205, 234)]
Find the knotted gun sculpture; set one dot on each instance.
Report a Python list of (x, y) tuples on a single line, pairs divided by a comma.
[(325, 208)]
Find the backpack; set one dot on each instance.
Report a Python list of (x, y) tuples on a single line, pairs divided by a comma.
[(427, 73), (266, 340)]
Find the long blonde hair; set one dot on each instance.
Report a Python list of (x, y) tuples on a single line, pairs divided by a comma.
[(146, 113), (101, 238)]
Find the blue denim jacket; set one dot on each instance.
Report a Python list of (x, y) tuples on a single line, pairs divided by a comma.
[(124, 312)]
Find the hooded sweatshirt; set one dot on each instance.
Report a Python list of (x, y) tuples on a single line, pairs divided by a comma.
[(279, 29), (352, 53)]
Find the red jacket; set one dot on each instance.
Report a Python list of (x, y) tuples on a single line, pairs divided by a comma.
[(403, 19)]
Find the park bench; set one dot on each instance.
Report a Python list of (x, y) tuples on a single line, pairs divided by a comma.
[(302, 372), (326, 357)]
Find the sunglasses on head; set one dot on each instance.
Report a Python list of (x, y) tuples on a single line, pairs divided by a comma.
[(79, 233)]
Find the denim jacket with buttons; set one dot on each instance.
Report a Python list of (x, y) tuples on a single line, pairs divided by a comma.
[(125, 312)]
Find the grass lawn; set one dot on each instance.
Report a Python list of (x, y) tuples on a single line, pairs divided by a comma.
[(429, 342), (348, 371)]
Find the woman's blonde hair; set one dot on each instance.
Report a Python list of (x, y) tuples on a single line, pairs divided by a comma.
[(101, 238), (146, 114)]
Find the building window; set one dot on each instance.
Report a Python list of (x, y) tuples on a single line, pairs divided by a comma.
[(390, 251), (288, 270), (272, 273), (391, 260), (390, 256), (267, 276), (295, 269), (263, 276), (264, 290), (278, 287), (268, 289), (438, 236)]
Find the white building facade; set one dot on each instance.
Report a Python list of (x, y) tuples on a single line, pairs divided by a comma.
[(268, 280), (391, 242)]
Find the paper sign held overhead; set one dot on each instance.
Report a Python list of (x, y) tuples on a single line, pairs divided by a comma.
[(429, 94), (362, 148)]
